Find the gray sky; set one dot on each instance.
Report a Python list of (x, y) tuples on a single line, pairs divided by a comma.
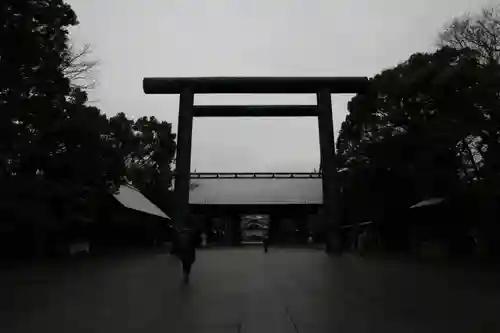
[(133, 39)]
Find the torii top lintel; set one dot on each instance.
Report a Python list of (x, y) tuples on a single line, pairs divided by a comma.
[(254, 85)]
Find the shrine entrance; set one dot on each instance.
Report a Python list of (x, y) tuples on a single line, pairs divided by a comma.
[(323, 87)]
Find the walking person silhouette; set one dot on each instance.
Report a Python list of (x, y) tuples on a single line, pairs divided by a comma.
[(186, 252)]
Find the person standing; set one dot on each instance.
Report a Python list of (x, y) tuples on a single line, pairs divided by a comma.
[(203, 239), (265, 241), (186, 252)]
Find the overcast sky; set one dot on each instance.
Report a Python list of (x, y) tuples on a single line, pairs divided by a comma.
[(133, 39)]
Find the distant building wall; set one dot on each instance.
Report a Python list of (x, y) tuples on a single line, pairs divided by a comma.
[(256, 191)]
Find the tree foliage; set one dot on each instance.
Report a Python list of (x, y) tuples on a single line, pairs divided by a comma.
[(148, 148), (58, 155), (479, 32), (428, 127)]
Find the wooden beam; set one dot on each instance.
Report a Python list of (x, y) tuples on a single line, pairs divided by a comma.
[(254, 85), (255, 111)]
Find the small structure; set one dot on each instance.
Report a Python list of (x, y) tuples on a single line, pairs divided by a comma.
[(132, 219), (428, 202), (132, 198), (440, 227), (254, 227)]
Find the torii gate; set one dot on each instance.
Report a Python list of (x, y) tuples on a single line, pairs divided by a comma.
[(323, 87)]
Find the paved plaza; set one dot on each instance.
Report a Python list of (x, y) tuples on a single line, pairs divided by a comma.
[(245, 290)]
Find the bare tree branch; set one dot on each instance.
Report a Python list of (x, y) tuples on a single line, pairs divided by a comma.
[(478, 32), (78, 68)]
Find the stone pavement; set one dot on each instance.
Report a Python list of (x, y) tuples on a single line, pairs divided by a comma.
[(245, 290)]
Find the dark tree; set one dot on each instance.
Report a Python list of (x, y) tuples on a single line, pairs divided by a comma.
[(148, 148), (425, 128), (56, 154)]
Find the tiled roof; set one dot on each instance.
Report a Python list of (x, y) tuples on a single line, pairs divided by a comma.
[(130, 197)]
